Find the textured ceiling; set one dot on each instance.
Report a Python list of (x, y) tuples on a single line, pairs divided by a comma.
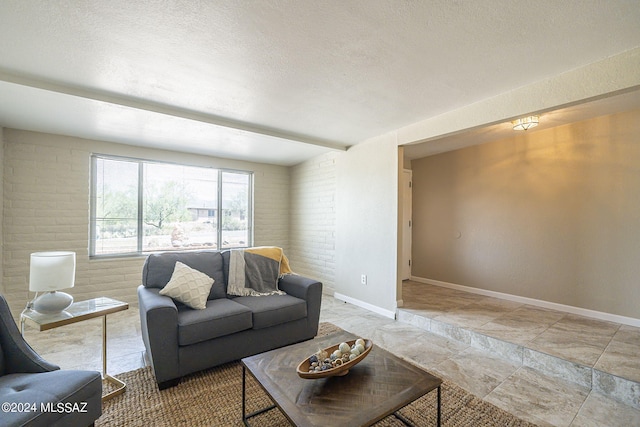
[(282, 81)]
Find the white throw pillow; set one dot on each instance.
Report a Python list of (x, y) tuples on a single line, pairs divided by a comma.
[(189, 286)]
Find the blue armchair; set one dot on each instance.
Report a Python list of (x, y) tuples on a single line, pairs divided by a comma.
[(34, 392)]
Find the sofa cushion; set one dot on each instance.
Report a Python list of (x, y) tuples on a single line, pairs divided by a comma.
[(220, 317), (189, 286), (273, 310), (159, 267)]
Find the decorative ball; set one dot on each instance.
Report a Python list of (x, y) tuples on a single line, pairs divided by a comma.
[(360, 341), (344, 347)]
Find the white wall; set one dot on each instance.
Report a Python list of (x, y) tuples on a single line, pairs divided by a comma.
[(46, 207), (313, 219), (366, 222), (367, 193)]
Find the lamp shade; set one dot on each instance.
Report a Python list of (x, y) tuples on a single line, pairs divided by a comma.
[(52, 271)]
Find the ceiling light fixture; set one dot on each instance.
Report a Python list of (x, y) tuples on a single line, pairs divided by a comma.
[(525, 123)]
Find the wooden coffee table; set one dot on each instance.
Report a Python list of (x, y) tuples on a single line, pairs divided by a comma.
[(378, 386)]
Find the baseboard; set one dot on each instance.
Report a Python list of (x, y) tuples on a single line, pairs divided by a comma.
[(535, 302), (381, 311)]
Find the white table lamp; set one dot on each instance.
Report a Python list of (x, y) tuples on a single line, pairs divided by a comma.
[(50, 272)]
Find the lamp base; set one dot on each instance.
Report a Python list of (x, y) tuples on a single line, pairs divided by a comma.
[(52, 302)]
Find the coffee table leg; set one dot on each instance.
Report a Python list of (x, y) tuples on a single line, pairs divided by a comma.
[(244, 395), (438, 406), (245, 417), (404, 420)]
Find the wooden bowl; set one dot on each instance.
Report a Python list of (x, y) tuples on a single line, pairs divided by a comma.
[(303, 367)]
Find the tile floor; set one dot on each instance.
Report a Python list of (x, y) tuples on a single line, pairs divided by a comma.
[(604, 346), (549, 366), (521, 390)]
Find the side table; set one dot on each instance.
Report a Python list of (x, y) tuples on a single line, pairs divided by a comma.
[(77, 312)]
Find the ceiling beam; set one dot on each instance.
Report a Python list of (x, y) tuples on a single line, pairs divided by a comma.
[(161, 108)]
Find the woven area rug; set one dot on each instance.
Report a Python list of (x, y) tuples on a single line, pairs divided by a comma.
[(214, 398)]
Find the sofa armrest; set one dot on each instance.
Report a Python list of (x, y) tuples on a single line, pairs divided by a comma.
[(159, 325), (300, 286), (307, 289)]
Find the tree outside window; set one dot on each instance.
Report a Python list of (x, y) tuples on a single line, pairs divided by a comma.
[(140, 207)]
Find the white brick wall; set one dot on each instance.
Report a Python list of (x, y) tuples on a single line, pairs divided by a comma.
[(271, 208), (312, 229), (46, 207)]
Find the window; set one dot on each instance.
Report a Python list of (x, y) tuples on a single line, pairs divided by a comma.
[(140, 206)]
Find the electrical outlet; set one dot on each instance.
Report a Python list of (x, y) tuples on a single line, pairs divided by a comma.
[(363, 279)]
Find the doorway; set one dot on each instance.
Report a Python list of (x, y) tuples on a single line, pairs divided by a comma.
[(406, 223)]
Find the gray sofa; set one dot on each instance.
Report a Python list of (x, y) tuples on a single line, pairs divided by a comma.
[(34, 392), (180, 340)]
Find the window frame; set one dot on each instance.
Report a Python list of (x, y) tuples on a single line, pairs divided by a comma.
[(140, 252)]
